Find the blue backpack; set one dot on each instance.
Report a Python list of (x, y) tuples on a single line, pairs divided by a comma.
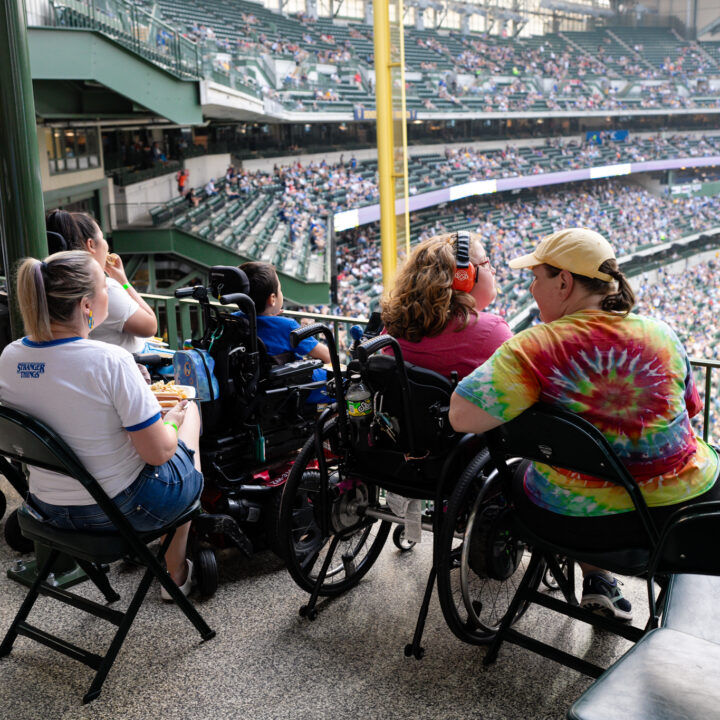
[(196, 368)]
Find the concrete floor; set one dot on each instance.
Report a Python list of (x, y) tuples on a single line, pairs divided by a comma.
[(268, 663)]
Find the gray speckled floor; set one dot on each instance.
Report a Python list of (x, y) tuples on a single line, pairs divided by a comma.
[(266, 662)]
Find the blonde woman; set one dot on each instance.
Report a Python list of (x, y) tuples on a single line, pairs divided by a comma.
[(439, 326), (93, 395)]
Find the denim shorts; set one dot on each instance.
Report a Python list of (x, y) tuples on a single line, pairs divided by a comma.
[(158, 495)]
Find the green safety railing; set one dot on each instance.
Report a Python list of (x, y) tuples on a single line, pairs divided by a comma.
[(182, 319), (135, 28)]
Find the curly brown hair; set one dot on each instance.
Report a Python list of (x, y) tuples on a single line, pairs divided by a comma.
[(422, 302)]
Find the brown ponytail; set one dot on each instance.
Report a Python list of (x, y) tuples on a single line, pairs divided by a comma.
[(619, 301), (50, 290), (623, 300)]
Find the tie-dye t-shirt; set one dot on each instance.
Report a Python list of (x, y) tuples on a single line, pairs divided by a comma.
[(628, 376)]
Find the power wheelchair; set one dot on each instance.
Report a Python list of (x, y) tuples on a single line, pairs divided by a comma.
[(252, 428), (334, 521)]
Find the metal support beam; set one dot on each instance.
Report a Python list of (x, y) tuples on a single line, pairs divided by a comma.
[(383, 102), (22, 216)]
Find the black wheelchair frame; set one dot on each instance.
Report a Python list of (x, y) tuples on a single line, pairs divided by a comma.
[(251, 431), (331, 503)]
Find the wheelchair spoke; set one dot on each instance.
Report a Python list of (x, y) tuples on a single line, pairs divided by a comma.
[(300, 521)]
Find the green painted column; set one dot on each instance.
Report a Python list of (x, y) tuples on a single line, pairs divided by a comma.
[(22, 216)]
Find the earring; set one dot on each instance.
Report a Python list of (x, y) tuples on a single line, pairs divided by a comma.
[(91, 322)]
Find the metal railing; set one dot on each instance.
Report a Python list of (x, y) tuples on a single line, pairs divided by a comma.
[(136, 29), (711, 404), (182, 319)]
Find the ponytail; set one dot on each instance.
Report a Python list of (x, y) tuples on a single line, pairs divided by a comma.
[(33, 300), (620, 300), (50, 290), (623, 300)]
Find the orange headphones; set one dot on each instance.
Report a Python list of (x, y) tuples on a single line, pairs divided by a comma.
[(465, 275)]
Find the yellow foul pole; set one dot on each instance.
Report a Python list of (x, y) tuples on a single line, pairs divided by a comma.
[(400, 117), (384, 124)]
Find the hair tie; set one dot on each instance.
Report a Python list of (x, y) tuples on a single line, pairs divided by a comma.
[(43, 265)]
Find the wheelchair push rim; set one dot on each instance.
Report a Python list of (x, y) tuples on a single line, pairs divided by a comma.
[(480, 563), (360, 538)]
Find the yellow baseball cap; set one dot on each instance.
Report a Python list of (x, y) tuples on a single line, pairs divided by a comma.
[(580, 250)]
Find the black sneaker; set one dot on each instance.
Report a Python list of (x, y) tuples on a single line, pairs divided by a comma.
[(604, 597)]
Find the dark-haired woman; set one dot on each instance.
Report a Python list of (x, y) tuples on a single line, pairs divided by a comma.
[(626, 374), (93, 395), (131, 321), (438, 327)]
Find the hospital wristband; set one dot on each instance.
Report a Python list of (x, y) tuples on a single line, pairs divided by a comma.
[(167, 422)]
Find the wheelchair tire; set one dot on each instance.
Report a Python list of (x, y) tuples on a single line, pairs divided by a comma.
[(3, 505), (304, 548), (478, 574), (399, 540), (206, 572), (14, 538), (271, 517)]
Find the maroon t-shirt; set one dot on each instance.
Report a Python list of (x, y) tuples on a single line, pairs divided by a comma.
[(462, 351)]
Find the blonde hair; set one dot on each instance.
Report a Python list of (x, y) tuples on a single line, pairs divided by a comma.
[(50, 290), (423, 301)]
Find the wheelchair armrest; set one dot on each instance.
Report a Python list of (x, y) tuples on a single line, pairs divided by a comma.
[(289, 370)]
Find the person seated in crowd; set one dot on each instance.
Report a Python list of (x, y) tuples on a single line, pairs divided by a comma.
[(130, 321), (274, 330), (438, 327), (210, 188), (94, 396), (627, 374)]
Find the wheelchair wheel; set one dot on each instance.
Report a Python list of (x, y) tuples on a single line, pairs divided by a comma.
[(206, 572), (548, 578), (14, 538), (480, 563), (399, 540), (299, 526)]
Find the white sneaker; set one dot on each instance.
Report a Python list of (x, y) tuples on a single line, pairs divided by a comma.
[(185, 588)]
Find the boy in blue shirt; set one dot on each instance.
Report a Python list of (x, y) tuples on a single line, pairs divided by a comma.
[(273, 329)]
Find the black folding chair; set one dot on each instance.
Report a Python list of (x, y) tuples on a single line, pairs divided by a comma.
[(25, 439), (670, 673), (565, 440)]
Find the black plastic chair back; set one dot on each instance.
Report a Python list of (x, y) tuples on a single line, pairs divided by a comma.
[(688, 542), (28, 440), (429, 400), (562, 439)]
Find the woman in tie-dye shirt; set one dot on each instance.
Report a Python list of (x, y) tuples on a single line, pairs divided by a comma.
[(627, 375)]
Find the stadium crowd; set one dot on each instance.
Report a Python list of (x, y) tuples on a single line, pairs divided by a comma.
[(689, 301), (630, 215)]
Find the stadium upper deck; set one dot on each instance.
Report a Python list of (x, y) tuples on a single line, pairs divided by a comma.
[(299, 69)]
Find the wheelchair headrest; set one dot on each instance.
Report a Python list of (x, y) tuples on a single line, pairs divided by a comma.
[(226, 280)]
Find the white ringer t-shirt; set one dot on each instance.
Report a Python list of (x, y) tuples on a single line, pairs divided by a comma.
[(121, 307), (90, 393)]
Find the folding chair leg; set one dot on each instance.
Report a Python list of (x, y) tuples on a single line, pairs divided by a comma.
[(520, 596), (28, 603), (99, 579), (414, 648), (120, 635), (188, 609)]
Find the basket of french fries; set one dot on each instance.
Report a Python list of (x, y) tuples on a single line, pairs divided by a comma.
[(169, 394)]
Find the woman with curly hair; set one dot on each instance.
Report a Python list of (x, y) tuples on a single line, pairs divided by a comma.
[(439, 327)]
